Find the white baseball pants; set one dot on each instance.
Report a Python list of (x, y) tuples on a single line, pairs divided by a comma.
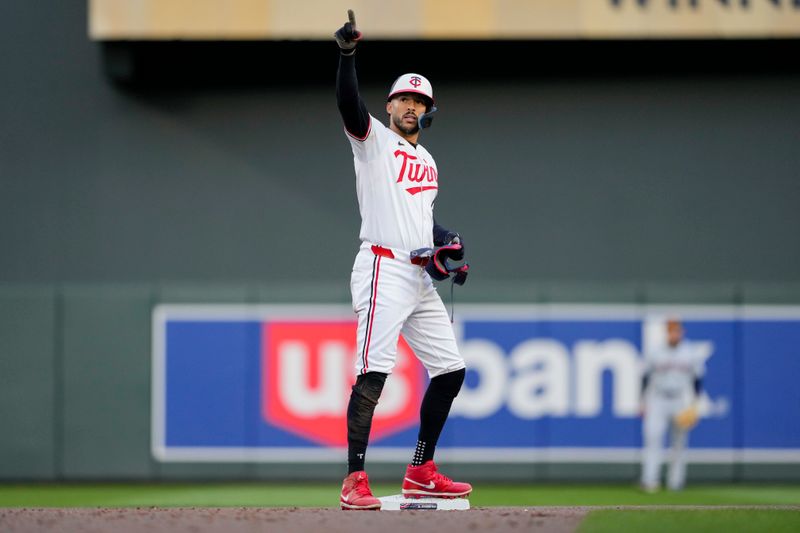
[(392, 296), (659, 413)]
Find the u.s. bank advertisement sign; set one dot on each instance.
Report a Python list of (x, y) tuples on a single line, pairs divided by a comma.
[(544, 383)]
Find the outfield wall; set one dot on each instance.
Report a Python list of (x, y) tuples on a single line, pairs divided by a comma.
[(127, 167), (76, 367)]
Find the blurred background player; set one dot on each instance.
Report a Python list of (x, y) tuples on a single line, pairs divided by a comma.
[(671, 385), (397, 183)]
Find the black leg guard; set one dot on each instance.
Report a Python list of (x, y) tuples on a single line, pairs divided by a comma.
[(435, 408), (363, 400)]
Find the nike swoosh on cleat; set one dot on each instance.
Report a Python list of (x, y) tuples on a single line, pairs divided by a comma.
[(430, 485)]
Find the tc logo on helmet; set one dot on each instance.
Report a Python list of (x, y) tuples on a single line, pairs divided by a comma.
[(307, 369), (415, 81)]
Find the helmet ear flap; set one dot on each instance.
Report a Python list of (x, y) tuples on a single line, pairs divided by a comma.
[(426, 118)]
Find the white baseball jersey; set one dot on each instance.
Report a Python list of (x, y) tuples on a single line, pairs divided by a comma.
[(670, 389), (673, 369), (397, 184)]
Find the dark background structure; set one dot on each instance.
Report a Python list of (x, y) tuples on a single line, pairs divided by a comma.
[(133, 173)]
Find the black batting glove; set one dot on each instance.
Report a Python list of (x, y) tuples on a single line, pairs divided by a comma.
[(347, 36), (454, 238)]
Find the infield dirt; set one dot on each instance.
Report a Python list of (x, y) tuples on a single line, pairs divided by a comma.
[(307, 519), (289, 520)]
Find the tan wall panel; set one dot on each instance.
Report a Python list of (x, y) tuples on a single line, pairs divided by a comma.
[(545, 18), (166, 19), (437, 19), (389, 19), (457, 19), (243, 19), (318, 19), (293, 18), (708, 19)]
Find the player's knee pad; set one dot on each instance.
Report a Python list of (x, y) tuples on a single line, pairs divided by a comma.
[(448, 384), (369, 386), (363, 400)]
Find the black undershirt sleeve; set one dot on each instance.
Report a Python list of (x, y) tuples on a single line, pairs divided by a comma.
[(351, 106), (443, 236), (439, 234)]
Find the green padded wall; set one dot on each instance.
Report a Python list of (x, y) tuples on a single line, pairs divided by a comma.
[(30, 374), (106, 382)]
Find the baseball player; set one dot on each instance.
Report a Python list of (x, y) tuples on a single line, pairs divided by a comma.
[(671, 386), (396, 182)]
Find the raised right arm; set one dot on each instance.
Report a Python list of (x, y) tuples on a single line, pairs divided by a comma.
[(351, 106)]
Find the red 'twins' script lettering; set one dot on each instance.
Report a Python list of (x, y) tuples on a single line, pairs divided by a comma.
[(415, 172)]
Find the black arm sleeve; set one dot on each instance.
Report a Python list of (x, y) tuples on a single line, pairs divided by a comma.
[(698, 386), (351, 106), (645, 381)]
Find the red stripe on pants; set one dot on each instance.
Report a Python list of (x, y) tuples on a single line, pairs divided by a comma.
[(372, 315)]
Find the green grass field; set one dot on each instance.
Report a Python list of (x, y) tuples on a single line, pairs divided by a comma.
[(705, 520), (654, 520), (326, 495)]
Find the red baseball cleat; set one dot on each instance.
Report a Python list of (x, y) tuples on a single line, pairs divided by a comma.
[(356, 494), (425, 480)]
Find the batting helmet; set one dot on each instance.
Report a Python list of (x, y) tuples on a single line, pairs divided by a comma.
[(412, 83)]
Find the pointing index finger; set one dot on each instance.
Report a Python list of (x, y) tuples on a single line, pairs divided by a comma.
[(352, 17)]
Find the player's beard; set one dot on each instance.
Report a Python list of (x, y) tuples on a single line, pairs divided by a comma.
[(408, 130)]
